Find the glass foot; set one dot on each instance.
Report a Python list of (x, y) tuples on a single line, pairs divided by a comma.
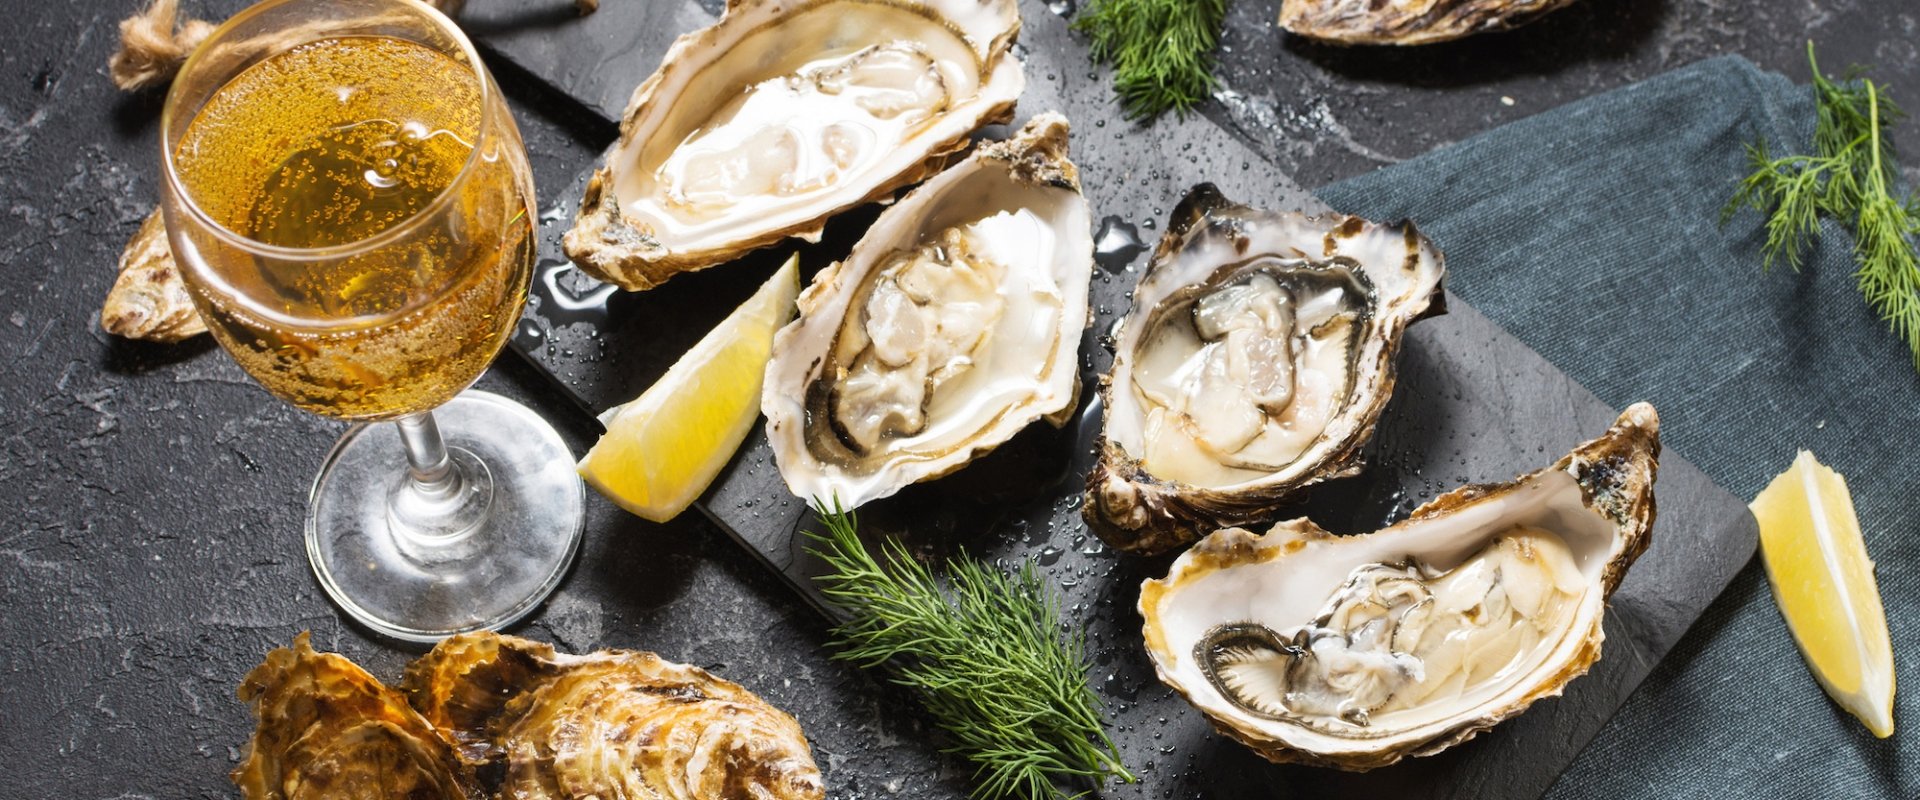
[(509, 522)]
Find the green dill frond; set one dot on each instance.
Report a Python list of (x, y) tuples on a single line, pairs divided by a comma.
[(982, 651), (1162, 51), (1849, 178)]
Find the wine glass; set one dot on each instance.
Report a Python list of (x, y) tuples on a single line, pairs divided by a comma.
[(351, 208)]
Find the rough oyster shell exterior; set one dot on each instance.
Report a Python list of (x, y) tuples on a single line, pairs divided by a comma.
[(149, 299), (1407, 22), (609, 724), (327, 729)]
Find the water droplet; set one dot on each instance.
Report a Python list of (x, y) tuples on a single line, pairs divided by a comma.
[(1117, 244)]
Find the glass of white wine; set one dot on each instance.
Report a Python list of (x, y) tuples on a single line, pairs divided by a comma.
[(351, 208)]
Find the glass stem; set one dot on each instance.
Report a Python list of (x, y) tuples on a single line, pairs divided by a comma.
[(446, 495), (428, 466)]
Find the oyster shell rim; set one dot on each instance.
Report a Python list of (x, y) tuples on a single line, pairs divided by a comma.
[(1172, 513), (602, 243), (1037, 155), (1614, 473)]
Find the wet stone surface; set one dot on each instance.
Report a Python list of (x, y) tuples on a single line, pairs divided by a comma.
[(150, 550)]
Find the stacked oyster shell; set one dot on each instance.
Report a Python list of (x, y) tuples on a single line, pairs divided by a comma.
[(327, 729), (487, 715), (823, 105), (608, 724)]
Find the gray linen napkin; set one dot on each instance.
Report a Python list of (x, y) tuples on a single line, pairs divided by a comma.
[(1591, 232)]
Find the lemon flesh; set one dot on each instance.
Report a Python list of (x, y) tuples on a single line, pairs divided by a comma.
[(1823, 582), (662, 449)]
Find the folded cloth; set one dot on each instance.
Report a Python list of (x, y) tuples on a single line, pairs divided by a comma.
[(1592, 232)]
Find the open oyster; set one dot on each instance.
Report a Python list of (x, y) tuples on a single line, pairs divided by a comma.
[(1358, 651), (784, 113), (328, 730), (606, 725), (952, 324), (1406, 22), (1256, 360)]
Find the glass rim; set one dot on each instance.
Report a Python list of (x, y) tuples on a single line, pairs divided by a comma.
[(186, 201)]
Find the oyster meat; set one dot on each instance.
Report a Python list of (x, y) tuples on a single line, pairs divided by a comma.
[(784, 113), (1358, 651), (329, 731), (606, 725), (953, 324), (1257, 357), (1406, 22)]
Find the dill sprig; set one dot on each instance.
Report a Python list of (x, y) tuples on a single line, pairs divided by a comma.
[(1848, 178), (983, 652), (1161, 50)]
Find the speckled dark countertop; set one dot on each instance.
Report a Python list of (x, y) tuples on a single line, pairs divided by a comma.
[(150, 550)]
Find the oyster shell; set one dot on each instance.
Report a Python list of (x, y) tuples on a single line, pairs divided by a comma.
[(610, 724), (1257, 357), (1358, 651), (1406, 22), (149, 299), (952, 324), (822, 105), (328, 730)]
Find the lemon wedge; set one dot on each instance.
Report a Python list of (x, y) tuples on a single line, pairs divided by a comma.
[(663, 448), (1823, 582)]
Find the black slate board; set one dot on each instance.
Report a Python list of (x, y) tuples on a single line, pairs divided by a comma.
[(1474, 405)]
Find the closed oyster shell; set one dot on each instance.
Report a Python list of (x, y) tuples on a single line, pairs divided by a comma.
[(149, 300), (610, 724), (1406, 22), (1358, 651), (784, 113), (1258, 355), (329, 731), (953, 324)]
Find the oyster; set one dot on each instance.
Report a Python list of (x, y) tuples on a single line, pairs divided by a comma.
[(951, 325), (784, 113), (327, 729), (611, 724), (1358, 651), (149, 299), (1256, 360), (1406, 22)]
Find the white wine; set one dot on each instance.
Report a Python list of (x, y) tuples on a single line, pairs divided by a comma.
[(406, 252)]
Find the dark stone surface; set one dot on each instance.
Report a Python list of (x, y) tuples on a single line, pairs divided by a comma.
[(150, 552)]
